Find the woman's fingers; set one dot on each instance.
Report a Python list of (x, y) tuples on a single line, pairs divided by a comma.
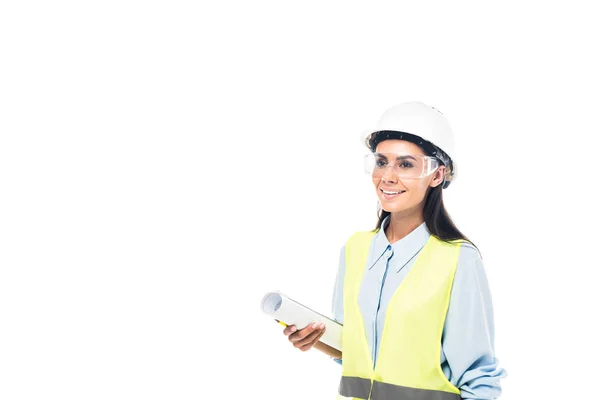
[(289, 330), (304, 339), (306, 336), (311, 344), (302, 333)]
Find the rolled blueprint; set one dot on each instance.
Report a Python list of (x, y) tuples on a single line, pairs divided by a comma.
[(290, 312)]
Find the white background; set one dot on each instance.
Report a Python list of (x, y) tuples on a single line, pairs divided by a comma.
[(164, 164)]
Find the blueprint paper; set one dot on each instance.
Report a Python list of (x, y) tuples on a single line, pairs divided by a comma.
[(281, 307)]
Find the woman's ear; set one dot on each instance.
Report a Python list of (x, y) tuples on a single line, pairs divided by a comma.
[(438, 176)]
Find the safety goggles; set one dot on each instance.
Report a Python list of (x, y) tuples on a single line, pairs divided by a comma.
[(406, 166)]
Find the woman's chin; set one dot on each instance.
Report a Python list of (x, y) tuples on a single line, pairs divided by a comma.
[(390, 206)]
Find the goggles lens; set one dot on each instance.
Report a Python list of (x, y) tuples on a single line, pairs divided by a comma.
[(406, 166)]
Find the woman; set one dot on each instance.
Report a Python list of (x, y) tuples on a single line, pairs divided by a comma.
[(412, 294)]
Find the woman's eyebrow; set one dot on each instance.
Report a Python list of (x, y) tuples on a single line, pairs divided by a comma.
[(405, 157)]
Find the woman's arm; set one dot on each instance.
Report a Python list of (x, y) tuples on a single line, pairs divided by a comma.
[(468, 355)]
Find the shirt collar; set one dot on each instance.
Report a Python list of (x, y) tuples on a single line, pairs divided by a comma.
[(402, 250)]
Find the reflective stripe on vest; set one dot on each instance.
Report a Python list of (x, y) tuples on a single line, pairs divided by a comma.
[(359, 388), (408, 366)]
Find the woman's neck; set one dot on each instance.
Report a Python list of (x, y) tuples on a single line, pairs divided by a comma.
[(399, 226)]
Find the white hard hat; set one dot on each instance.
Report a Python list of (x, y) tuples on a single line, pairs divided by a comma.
[(420, 124)]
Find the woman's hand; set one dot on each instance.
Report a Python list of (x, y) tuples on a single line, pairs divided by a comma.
[(306, 338)]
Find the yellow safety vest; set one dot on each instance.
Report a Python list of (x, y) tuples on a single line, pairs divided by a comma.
[(408, 366)]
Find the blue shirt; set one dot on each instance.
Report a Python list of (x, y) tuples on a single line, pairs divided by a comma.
[(467, 356)]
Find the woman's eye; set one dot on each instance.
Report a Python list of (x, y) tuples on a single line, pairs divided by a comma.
[(405, 165), (380, 163)]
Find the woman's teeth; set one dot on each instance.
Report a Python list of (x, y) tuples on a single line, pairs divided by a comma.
[(391, 195)]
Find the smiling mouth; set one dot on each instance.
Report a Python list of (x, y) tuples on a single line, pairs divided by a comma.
[(391, 193)]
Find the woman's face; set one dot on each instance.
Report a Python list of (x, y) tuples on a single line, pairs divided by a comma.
[(411, 191)]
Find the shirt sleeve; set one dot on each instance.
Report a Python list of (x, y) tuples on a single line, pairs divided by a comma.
[(468, 357), (337, 304)]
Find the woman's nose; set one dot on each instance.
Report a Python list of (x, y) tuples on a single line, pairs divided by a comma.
[(389, 174)]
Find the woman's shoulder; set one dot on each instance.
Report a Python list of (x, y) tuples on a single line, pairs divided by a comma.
[(469, 253)]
